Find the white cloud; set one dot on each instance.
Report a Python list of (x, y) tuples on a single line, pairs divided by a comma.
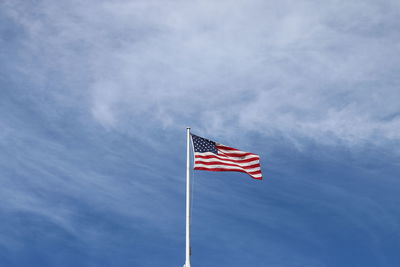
[(325, 71)]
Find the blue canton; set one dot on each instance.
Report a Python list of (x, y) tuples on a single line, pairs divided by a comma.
[(203, 145)]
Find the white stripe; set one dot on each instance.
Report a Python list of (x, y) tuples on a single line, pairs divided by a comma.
[(256, 161), (226, 167), (221, 156)]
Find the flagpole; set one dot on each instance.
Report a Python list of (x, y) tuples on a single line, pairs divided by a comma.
[(187, 262)]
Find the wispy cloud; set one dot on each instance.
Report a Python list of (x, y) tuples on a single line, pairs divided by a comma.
[(323, 71)]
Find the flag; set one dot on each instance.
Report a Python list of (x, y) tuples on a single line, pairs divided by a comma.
[(212, 156)]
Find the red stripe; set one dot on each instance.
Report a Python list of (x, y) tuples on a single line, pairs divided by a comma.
[(236, 155), (229, 169), (226, 147), (225, 170), (228, 159), (227, 164)]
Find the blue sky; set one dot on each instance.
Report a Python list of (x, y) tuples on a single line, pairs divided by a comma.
[(95, 97)]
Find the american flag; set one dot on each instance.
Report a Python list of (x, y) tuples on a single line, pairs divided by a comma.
[(212, 156)]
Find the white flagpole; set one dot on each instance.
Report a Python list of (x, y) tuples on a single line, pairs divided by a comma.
[(187, 262)]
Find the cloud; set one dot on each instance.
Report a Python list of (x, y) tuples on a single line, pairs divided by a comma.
[(322, 71)]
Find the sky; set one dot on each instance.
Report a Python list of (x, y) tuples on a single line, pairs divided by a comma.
[(95, 98)]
